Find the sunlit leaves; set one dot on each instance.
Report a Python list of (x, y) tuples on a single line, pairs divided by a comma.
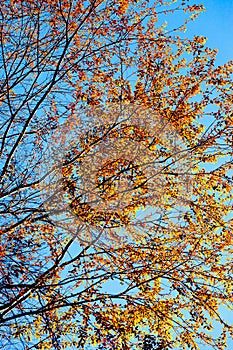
[(166, 285)]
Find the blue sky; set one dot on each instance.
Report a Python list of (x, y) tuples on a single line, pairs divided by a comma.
[(216, 23)]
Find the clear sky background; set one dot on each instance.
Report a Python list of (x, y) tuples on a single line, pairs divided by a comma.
[(216, 23)]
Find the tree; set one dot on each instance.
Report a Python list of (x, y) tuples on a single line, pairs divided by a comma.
[(116, 178)]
